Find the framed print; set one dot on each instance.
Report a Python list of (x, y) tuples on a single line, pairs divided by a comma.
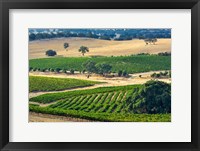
[(96, 75)]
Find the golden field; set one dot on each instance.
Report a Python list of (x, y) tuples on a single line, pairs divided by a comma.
[(96, 47)]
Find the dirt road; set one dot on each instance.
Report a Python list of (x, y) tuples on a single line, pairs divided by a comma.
[(115, 81)]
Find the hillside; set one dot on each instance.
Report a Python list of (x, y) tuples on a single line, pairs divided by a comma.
[(132, 64), (97, 47)]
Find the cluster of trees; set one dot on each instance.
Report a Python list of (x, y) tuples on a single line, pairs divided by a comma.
[(159, 54), (161, 74), (102, 68), (92, 67), (150, 41), (153, 98), (164, 54), (106, 34), (143, 54)]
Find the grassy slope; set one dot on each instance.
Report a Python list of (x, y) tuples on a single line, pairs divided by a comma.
[(37, 83), (132, 64)]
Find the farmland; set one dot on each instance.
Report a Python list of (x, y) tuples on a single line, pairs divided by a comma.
[(132, 64), (48, 98), (97, 47), (37, 83), (103, 117), (104, 75), (101, 104)]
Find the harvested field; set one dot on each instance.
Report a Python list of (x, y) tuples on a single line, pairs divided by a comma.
[(97, 47)]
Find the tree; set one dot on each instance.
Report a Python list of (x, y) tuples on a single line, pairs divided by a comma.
[(66, 45), (125, 73), (64, 70), (170, 74), (58, 70), (72, 71), (51, 53), (154, 40), (103, 68), (43, 70), (153, 75), (52, 70), (150, 40), (164, 54), (32, 36), (34, 69), (153, 98), (30, 68), (83, 50), (90, 66), (120, 73), (165, 73), (158, 75)]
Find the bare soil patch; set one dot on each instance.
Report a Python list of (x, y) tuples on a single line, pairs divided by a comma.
[(39, 117)]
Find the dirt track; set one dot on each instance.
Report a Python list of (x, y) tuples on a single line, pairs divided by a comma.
[(116, 81)]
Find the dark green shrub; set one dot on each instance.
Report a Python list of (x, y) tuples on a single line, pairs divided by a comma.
[(51, 53)]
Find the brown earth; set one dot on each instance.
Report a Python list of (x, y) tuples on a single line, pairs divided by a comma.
[(96, 47), (38, 117)]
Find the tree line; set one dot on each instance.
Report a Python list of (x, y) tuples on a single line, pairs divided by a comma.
[(105, 34)]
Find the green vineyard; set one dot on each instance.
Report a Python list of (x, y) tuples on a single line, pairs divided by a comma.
[(52, 97), (100, 104), (38, 83), (132, 64)]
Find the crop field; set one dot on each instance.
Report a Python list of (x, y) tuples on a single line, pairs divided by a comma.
[(101, 104), (104, 117), (132, 64), (37, 83), (52, 97), (96, 46)]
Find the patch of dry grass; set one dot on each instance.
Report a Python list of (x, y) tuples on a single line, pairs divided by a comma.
[(97, 47)]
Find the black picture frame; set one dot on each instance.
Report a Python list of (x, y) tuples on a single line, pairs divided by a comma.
[(5, 5)]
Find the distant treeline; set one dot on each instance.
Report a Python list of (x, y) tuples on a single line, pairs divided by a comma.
[(105, 34)]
